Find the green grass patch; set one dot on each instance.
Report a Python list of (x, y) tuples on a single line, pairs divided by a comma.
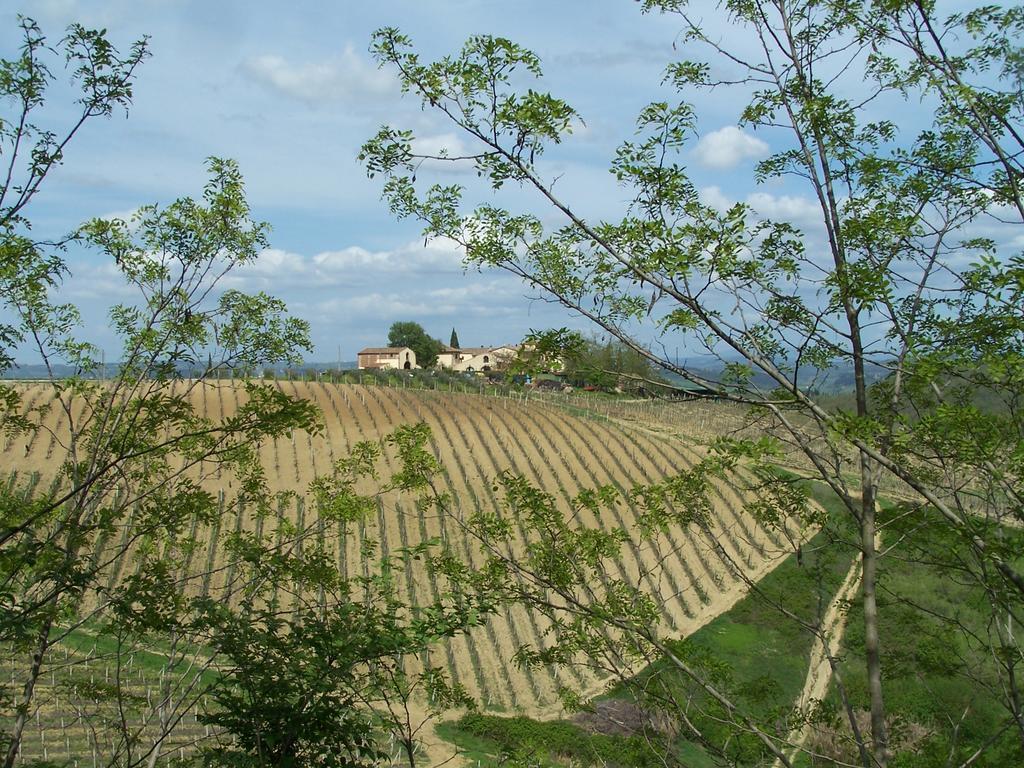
[(84, 642), (491, 739), (940, 680)]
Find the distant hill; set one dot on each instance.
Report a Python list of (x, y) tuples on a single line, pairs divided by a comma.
[(838, 379)]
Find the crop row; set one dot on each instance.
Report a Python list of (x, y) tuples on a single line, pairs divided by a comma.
[(694, 572)]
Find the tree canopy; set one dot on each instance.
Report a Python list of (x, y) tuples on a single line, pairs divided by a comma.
[(412, 335), (906, 270), (609, 364), (103, 549), (892, 275)]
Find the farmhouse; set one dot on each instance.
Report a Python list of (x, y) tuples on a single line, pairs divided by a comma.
[(386, 357), (477, 358)]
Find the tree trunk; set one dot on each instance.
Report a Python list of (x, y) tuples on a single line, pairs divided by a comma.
[(872, 647), (1011, 680), (42, 644)]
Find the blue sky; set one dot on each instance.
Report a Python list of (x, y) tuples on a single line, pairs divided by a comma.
[(290, 92)]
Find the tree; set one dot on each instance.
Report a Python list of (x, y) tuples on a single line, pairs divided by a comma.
[(137, 449), (326, 682), (412, 335), (608, 365), (897, 280), (104, 549), (454, 341), (105, 80)]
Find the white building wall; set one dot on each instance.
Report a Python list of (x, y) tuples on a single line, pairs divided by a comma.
[(392, 360)]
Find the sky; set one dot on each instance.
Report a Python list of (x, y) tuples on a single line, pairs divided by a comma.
[(291, 93)]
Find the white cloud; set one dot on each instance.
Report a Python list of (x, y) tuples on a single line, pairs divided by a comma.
[(59, 9), (490, 299), (272, 262), (442, 145), (341, 78), (379, 305), (793, 208), (728, 147), (130, 218), (475, 291), (717, 199), (125, 216), (440, 256), (801, 211), (412, 280), (580, 129), (101, 282)]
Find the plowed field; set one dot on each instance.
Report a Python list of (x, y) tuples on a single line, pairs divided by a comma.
[(475, 438)]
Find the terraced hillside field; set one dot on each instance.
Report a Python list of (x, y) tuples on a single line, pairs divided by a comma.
[(475, 438)]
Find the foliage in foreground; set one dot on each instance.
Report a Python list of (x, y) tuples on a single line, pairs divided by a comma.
[(136, 452), (945, 698), (890, 277), (888, 289), (492, 739), (752, 652), (107, 549), (330, 680), (759, 657)]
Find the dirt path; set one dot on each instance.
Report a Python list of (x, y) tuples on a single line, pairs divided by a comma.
[(819, 670)]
